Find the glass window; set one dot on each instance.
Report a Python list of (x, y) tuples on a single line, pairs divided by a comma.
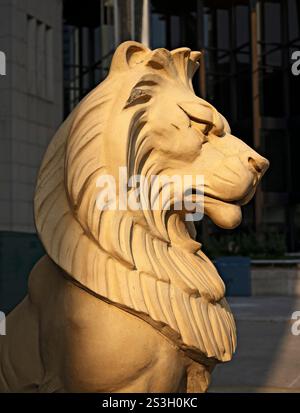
[(242, 25), (158, 31), (294, 19), (275, 150), (223, 41)]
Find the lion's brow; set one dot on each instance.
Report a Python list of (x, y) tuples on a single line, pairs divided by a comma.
[(145, 83), (148, 80), (202, 114)]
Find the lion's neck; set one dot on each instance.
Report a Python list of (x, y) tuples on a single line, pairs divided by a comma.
[(180, 293), (179, 262)]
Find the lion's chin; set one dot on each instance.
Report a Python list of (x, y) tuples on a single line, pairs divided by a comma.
[(223, 214)]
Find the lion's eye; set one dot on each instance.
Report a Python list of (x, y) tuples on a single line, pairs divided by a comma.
[(203, 128), (138, 96), (220, 132)]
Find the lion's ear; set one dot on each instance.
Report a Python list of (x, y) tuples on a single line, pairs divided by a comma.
[(127, 55), (159, 59)]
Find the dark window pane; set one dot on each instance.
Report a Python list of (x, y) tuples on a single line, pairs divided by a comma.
[(276, 151), (242, 25), (294, 18), (272, 22), (223, 29), (158, 31), (272, 93)]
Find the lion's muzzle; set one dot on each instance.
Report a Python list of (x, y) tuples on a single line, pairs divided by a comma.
[(256, 163)]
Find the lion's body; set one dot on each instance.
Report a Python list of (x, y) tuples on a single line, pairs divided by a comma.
[(59, 315)]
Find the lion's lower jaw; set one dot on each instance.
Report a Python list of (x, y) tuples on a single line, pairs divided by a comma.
[(224, 215)]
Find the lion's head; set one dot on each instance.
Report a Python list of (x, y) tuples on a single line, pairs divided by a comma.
[(146, 117)]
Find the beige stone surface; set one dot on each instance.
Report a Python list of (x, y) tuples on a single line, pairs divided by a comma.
[(126, 300)]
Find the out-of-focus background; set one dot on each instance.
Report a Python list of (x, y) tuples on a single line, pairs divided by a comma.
[(56, 51)]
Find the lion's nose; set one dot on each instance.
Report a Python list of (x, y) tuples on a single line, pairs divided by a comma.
[(256, 163)]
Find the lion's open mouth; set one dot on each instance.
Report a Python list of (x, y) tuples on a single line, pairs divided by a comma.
[(226, 214), (239, 201)]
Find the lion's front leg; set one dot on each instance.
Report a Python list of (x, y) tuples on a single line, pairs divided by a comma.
[(198, 378), (20, 364)]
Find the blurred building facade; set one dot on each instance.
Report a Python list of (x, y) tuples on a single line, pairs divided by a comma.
[(246, 73), (58, 50), (30, 111)]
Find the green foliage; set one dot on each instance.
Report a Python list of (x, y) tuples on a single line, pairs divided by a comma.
[(264, 245)]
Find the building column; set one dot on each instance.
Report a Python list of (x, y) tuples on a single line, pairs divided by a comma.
[(145, 37), (200, 44), (256, 116)]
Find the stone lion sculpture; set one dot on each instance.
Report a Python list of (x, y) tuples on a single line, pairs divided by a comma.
[(126, 301)]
